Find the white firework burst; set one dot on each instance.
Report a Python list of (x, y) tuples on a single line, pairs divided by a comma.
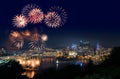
[(44, 37), (20, 21)]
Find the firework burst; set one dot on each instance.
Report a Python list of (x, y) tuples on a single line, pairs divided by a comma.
[(15, 34), (61, 13), (20, 21), (18, 43), (16, 40), (35, 45), (35, 42), (27, 8), (44, 37), (26, 33), (52, 19), (35, 16), (33, 12)]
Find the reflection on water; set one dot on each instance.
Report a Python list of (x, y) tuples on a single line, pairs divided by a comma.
[(29, 63), (29, 74), (57, 66), (46, 63), (40, 64)]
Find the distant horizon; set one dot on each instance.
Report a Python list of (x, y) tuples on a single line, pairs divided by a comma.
[(64, 47)]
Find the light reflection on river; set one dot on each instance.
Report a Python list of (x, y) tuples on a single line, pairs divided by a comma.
[(29, 74), (47, 63)]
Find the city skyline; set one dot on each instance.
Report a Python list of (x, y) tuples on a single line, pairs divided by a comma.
[(96, 21)]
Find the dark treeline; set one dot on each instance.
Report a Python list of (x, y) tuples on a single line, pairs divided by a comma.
[(11, 70)]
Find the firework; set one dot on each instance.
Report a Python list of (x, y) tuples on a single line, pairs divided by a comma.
[(18, 43), (28, 8), (16, 40), (15, 45), (35, 45), (15, 34), (36, 37), (20, 21), (52, 19), (58, 12), (44, 37), (36, 16), (26, 33), (33, 12), (35, 42)]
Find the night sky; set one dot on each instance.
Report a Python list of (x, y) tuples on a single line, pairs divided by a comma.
[(94, 20)]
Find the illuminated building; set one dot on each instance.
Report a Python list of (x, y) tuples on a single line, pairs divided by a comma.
[(49, 53), (99, 49), (59, 53), (83, 47), (72, 54), (74, 47)]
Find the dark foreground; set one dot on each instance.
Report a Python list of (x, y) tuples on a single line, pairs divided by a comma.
[(109, 69)]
